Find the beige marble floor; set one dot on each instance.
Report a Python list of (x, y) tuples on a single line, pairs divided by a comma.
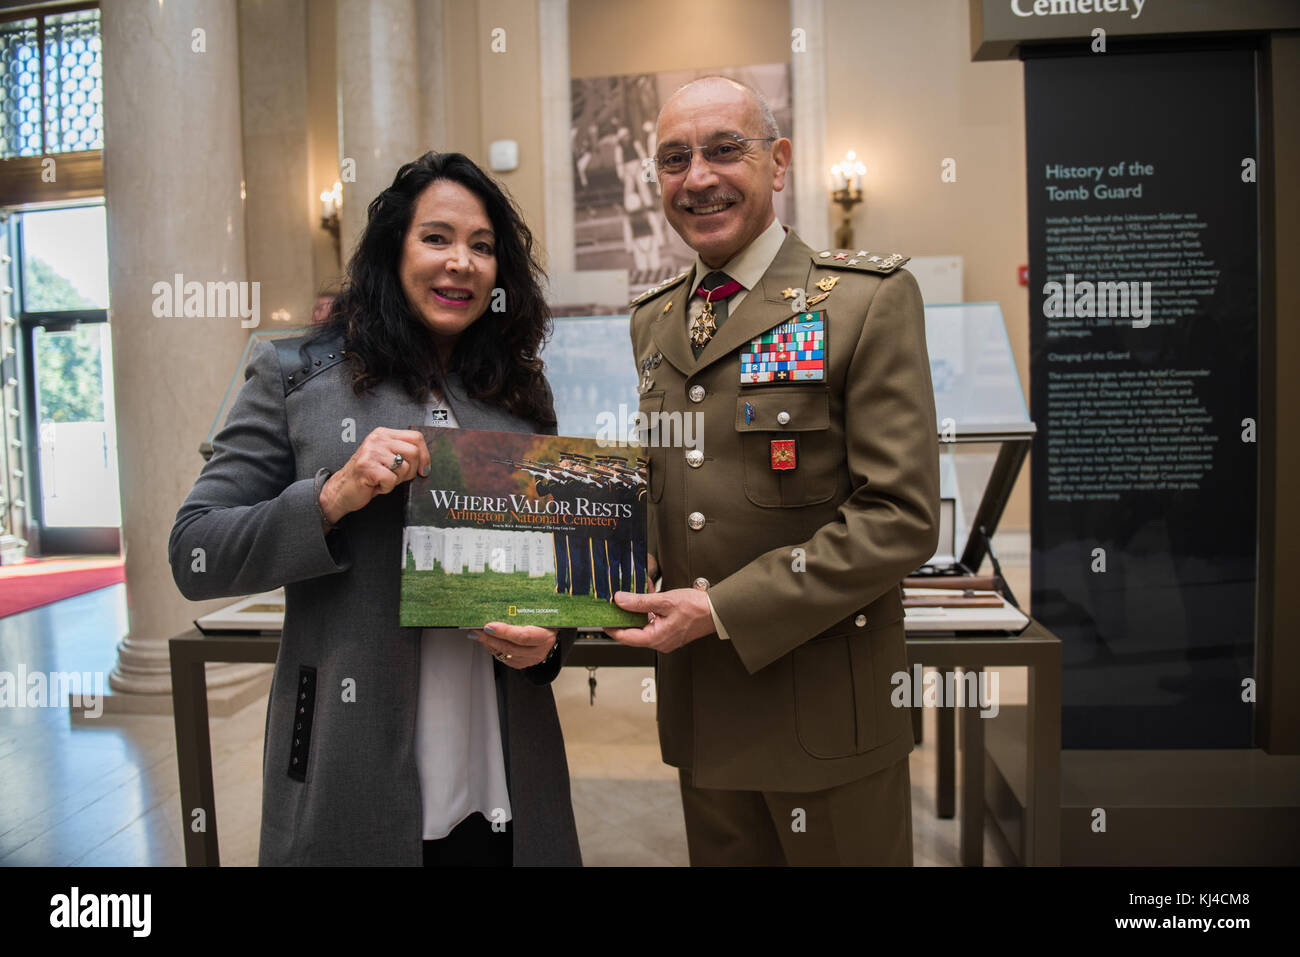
[(106, 793)]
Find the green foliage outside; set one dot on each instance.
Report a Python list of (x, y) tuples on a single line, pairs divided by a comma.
[(68, 364), (444, 467)]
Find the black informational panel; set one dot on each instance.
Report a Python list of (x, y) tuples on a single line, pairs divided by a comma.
[(1144, 467)]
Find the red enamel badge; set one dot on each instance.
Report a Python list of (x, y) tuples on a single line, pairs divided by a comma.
[(783, 455)]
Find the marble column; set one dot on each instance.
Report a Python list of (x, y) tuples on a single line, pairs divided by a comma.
[(557, 118), (510, 101), (810, 170), (323, 132), (282, 214), (379, 101), (173, 184), (433, 77)]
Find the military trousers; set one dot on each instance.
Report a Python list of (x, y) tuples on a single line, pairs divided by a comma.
[(620, 564), (598, 561), (572, 565), (863, 822)]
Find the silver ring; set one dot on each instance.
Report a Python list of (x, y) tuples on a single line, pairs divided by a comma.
[(397, 462), (501, 657)]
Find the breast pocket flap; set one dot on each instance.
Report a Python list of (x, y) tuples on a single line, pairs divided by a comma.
[(776, 409)]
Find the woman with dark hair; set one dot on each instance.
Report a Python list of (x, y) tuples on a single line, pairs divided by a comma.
[(384, 744), (495, 333)]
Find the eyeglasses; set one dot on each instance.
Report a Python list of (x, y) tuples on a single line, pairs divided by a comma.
[(675, 160)]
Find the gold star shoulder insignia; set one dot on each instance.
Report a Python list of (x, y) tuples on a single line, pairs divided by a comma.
[(859, 261), (662, 287)]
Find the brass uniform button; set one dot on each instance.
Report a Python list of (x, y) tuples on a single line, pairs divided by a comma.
[(694, 458), (695, 520), (783, 418), (696, 393), (701, 583)]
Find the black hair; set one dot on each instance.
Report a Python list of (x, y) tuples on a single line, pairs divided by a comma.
[(497, 356)]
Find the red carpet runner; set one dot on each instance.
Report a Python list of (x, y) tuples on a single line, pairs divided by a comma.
[(34, 583)]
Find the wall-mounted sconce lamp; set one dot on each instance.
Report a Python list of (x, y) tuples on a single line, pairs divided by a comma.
[(846, 190), (331, 204)]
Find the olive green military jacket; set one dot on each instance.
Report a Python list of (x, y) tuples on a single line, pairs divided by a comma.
[(803, 564)]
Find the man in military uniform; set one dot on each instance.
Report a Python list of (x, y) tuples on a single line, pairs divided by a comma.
[(619, 545), (572, 565), (597, 558), (639, 548), (782, 537)]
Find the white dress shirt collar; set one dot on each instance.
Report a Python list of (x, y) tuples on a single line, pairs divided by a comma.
[(748, 265)]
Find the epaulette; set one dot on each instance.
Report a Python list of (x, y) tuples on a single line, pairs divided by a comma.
[(666, 284), (305, 357), (862, 260)]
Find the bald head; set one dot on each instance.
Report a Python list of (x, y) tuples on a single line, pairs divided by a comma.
[(721, 88), (721, 199)]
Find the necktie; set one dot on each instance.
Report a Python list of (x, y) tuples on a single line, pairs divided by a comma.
[(715, 289)]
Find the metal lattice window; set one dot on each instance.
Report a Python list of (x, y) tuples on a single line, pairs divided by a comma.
[(51, 103), (74, 104), (20, 90)]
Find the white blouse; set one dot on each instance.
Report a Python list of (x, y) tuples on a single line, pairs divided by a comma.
[(457, 727)]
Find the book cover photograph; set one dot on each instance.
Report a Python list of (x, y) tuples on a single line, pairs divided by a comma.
[(525, 529)]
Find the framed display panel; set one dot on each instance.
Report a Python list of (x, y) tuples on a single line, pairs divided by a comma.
[(1145, 473), (257, 614)]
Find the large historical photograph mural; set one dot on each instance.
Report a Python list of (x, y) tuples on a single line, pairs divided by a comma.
[(618, 219)]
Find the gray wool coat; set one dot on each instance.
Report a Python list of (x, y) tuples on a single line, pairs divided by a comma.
[(352, 796)]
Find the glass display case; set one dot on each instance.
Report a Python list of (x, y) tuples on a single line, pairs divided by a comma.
[(983, 421), (984, 434)]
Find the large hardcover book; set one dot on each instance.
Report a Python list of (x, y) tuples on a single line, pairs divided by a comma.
[(524, 529)]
